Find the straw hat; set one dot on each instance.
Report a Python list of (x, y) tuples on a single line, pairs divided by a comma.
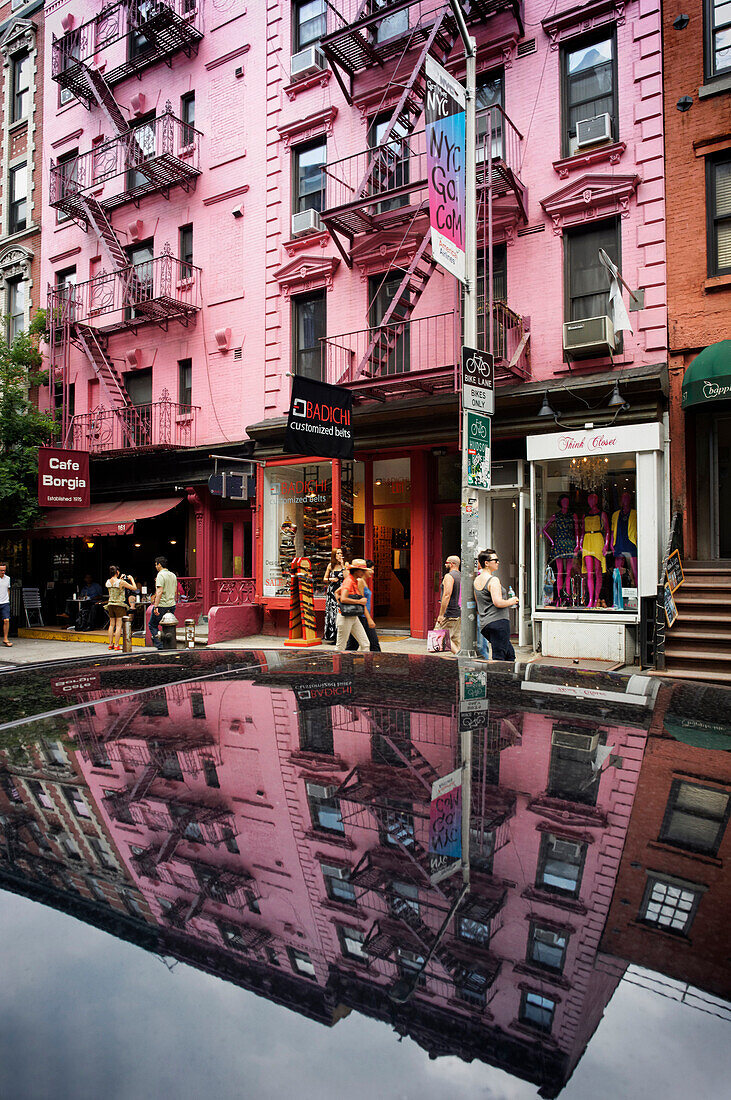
[(358, 563)]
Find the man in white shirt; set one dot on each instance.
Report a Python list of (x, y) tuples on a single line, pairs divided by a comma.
[(5, 602)]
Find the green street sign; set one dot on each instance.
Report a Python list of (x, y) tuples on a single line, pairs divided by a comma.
[(478, 450)]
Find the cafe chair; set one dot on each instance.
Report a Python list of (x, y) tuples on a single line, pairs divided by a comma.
[(32, 606)]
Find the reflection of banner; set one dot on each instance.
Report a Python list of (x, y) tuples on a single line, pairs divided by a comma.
[(324, 691), (444, 116), (302, 605), (445, 826), (319, 421)]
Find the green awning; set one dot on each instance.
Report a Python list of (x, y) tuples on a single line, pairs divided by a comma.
[(708, 378), (699, 734)]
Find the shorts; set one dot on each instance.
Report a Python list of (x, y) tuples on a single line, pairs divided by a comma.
[(4, 611), (117, 610), (454, 626)]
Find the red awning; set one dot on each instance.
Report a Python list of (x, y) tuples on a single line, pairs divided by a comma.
[(100, 519)]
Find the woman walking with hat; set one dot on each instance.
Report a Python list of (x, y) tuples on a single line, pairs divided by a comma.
[(348, 621)]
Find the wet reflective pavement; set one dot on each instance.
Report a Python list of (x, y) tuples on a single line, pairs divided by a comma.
[(215, 879)]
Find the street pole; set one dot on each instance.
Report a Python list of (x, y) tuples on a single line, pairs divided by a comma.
[(468, 511)]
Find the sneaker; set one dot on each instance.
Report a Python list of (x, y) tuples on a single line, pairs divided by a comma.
[(111, 647)]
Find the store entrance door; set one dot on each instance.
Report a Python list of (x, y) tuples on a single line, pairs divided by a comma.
[(721, 462), (446, 540), (234, 558), (713, 485), (392, 542), (508, 533)]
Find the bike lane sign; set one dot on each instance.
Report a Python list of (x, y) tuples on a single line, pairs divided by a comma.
[(478, 450)]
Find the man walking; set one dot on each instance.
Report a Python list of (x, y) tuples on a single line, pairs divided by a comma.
[(166, 590), (5, 602), (449, 608)]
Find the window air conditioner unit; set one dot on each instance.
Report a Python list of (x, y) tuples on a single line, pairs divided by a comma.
[(508, 475), (591, 131), (306, 63), (566, 849), (580, 742), (305, 221), (588, 339), (316, 790)]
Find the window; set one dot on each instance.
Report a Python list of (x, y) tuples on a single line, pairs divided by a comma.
[(337, 884), (537, 1010), (310, 23), (392, 355), (547, 948), (185, 245), (472, 988), (229, 841), (587, 281), (187, 116), (271, 956), (393, 171), (309, 181), (473, 923), (490, 93), (589, 87), (67, 175), (670, 904), (695, 817), (185, 397), (397, 826), (95, 889), (316, 730), (7, 784), (560, 865), (252, 902), (717, 18), (156, 703), (309, 328), (410, 962), (21, 86), (77, 802), (571, 774), (403, 900), (718, 205), (351, 943), (65, 283), (69, 847), (296, 523), (131, 904), (40, 794), (139, 43), (501, 321), (301, 962), (103, 856), (141, 281), (232, 935), (170, 768), (16, 308), (142, 148), (210, 773), (390, 25), (54, 754), (324, 808), (18, 198)]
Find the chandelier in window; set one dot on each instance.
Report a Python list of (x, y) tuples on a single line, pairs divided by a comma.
[(589, 472)]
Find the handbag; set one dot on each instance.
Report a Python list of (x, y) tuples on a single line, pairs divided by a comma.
[(438, 641), (348, 609)]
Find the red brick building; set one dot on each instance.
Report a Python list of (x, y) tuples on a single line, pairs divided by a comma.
[(697, 86), (670, 905)]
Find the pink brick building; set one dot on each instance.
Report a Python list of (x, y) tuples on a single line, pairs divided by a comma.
[(276, 825), (302, 175)]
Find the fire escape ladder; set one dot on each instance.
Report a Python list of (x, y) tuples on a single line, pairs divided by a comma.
[(144, 783), (122, 722), (378, 944), (106, 371), (167, 851), (403, 909), (102, 93), (385, 338), (100, 223), (417, 764)]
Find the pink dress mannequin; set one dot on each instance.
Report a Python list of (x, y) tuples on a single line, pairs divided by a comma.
[(568, 546), (596, 542)]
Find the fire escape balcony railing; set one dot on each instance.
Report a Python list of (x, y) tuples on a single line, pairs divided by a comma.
[(151, 292), (418, 354), (165, 153), (389, 180), (159, 425), (128, 36)]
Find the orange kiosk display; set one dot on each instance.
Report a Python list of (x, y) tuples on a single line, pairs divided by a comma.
[(302, 605)]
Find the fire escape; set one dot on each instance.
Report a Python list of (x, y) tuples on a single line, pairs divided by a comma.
[(379, 196), (151, 157)]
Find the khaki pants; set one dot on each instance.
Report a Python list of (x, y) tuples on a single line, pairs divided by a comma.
[(454, 626), (351, 625)]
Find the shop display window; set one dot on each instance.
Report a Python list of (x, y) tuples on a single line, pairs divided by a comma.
[(297, 523), (587, 534), (352, 509)]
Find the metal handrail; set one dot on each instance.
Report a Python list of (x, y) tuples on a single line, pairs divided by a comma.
[(161, 423)]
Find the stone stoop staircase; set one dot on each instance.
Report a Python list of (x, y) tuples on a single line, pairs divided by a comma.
[(698, 646)]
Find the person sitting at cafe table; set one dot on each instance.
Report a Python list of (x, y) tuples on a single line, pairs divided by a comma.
[(90, 595)]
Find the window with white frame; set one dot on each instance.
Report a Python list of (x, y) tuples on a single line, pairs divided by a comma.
[(695, 817), (718, 207), (351, 943), (21, 72), (310, 23), (16, 308), (537, 1011), (301, 962), (18, 198), (670, 904), (589, 87), (338, 886)]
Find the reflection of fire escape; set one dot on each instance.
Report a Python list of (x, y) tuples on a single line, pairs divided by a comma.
[(130, 294), (384, 189)]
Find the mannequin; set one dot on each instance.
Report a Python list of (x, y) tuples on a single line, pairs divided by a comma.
[(566, 545), (595, 544), (624, 533)]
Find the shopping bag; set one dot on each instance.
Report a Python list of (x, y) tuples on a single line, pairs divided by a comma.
[(548, 583), (438, 641)]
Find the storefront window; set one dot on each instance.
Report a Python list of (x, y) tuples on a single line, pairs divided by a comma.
[(587, 533), (297, 523), (352, 509), (392, 539)]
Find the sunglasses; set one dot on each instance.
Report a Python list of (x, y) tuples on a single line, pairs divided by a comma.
[(494, 559)]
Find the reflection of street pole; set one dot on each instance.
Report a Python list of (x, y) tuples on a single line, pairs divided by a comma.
[(403, 988), (466, 753), (468, 532)]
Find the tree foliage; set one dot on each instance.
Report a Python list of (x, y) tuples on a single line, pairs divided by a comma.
[(23, 429)]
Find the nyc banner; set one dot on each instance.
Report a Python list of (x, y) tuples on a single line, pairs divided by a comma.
[(445, 826), (444, 116), (319, 421)]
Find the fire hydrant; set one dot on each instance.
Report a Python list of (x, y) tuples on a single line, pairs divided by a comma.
[(168, 625)]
